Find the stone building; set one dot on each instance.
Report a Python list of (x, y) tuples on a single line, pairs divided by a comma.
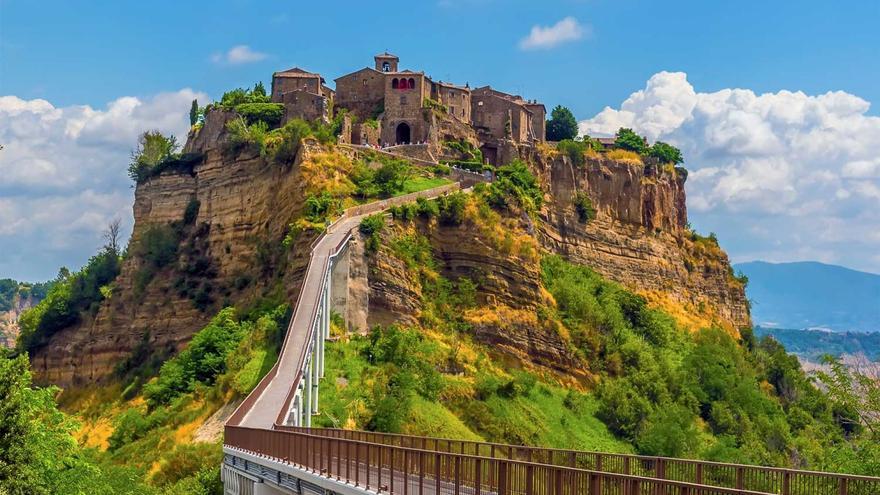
[(390, 106), (303, 94)]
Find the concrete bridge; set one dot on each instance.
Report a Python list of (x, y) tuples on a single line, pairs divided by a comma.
[(270, 447)]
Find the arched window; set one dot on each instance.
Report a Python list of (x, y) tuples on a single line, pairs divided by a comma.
[(386, 67), (412, 83), (394, 83)]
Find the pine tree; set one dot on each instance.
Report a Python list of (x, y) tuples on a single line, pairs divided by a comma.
[(194, 113)]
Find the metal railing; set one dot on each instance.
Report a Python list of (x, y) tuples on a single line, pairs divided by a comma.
[(397, 470), (781, 481)]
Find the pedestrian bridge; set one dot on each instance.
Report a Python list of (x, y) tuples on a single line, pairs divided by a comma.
[(270, 447)]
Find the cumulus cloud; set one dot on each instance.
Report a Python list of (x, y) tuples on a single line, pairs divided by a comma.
[(544, 37), (784, 175), (238, 55), (63, 175)]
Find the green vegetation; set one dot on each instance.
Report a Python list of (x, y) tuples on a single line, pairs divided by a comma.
[(584, 207), (71, 296), (515, 187), (470, 157), (268, 113), (434, 105), (208, 355), (194, 113), (666, 153), (10, 290), (153, 148), (561, 125), (575, 150), (38, 454), (240, 96), (371, 227), (814, 344), (389, 179), (278, 145), (627, 139)]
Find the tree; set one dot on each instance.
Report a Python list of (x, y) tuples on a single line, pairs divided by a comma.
[(628, 139), (111, 235), (194, 113), (562, 124), (666, 153), (259, 89)]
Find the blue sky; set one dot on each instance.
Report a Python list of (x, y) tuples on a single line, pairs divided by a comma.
[(771, 101)]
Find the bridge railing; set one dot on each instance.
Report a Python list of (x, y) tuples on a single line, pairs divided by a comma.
[(394, 469), (759, 478)]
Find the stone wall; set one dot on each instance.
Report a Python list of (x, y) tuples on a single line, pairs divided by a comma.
[(361, 92), (300, 104)]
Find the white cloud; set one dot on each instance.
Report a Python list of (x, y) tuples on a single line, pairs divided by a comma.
[(63, 175), (238, 55), (802, 168), (544, 37)]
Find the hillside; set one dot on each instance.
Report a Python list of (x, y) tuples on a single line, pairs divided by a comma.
[(812, 295), (563, 303), (16, 297)]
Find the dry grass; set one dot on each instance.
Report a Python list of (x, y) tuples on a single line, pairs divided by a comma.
[(625, 156), (327, 171)]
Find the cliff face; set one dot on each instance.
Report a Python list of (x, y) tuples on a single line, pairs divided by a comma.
[(9, 328), (640, 237), (244, 207)]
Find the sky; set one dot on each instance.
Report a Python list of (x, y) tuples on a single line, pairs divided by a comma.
[(775, 104)]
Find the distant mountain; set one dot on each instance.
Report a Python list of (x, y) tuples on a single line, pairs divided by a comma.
[(812, 295), (811, 345)]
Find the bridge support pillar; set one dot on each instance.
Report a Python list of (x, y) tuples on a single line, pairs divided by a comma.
[(307, 395)]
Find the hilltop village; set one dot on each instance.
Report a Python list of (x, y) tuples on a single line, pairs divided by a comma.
[(391, 107)]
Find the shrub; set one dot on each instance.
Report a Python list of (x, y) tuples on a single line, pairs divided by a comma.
[(320, 208), (269, 113), (153, 148), (371, 227), (575, 150), (515, 185), (239, 96), (201, 362), (243, 134), (561, 125), (628, 140), (451, 207), (434, 105), (666, 153), (584, 207), (427, 208), (284, 143)]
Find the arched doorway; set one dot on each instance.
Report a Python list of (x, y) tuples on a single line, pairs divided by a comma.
[(403, 133)]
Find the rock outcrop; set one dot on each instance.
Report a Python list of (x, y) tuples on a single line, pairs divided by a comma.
[(640, 235), (639, 238)]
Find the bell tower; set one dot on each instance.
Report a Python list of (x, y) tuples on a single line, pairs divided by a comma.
[(386, 62)]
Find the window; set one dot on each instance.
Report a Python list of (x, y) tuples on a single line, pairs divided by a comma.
[(365, 82), (394, 83), (412, 83), (386, 67), (403, 100)]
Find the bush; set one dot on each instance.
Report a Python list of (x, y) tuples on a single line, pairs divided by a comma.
[(584, 207), (242, 134), (320, 208), (371, 227), (450, 208), (153, 148), (574, 150), (191, 212), (239, 96), (268, 113), (284, 143), (201, 362), (628, 140), (515, 185)]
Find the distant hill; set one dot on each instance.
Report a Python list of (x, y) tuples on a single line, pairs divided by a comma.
[(812, 295), (811, 345)]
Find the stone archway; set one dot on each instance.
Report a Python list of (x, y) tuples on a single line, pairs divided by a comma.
[(403, 133)]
